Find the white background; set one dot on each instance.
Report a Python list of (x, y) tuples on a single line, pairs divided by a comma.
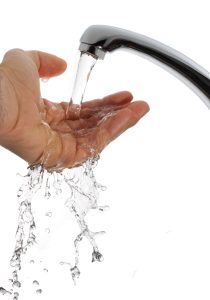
[(157, 174)]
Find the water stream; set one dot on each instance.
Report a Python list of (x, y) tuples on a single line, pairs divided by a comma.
[(82, 196), (85, 66)]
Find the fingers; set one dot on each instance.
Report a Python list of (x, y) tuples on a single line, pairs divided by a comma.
[(114, 99), (48, 65), (54, 112), (94, 141), (120, 121), (118, 98), (88, 108), (122, 97)]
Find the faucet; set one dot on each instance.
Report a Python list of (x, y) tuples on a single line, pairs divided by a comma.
[(97, 40)]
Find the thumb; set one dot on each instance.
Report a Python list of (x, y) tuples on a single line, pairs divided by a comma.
[(48, 65)]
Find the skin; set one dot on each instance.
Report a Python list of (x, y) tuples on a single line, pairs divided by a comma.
[(57, 135)]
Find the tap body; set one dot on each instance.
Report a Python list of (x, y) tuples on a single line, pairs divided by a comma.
[(97, 40)]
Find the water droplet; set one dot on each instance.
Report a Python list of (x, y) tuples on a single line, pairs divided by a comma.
[(47, 194), (31, 261), (19, 193), (98, 233), (15, 276), (16, 284), (103, 208), (101, 187), (48, 214), (75, 273), (16, 295), (47, 230), (64, 263), (35, 282), (39, 291), (15, 260), (97, 256), (45, 79), (45, 270)]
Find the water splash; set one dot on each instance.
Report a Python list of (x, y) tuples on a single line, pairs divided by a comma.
[(39, 291), (16, 295), (97, 256), (35, 283), (45, 270), (83, 194), (25, 234), (4, 291), (75, 273)]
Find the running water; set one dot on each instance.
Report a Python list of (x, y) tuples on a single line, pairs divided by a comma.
[(85, 66), (83, 194)]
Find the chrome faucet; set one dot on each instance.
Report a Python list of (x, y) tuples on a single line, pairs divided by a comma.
[(99, 39)]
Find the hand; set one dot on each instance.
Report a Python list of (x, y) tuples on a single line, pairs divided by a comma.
[(50, 133)]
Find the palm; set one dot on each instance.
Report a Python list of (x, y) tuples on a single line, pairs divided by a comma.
[(51, 133)]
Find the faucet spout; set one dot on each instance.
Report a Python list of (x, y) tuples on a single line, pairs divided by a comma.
[(97, 40)]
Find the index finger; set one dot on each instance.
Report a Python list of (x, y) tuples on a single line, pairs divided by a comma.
[(119, 122), (118, 98)]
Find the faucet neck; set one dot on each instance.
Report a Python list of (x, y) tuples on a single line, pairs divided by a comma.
[(99, 39)]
